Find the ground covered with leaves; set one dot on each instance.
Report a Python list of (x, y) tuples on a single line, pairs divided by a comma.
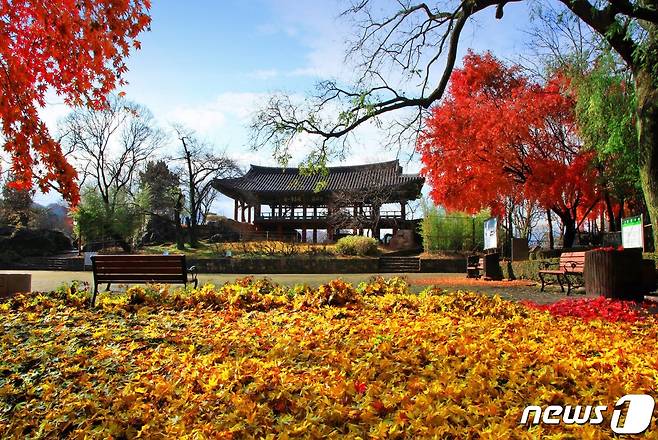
[(252, 359)]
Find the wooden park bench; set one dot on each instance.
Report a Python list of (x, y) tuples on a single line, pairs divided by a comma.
[(474, 266), (140, 269), (571, 265)]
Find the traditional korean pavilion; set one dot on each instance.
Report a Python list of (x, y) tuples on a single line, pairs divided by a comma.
[(280, 200)]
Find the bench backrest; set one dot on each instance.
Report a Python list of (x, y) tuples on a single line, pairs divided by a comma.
[(572, 262), (139, 268)]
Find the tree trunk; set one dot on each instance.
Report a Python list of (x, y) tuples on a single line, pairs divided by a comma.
[(569, 225), (193, 204), (569, 234), (180, 239), (647, 128), (620, 214), (610, 211), (551, 239)]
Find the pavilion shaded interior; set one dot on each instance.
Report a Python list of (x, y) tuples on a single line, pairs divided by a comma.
[(278, 201)]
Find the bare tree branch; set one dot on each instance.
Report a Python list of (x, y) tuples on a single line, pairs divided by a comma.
[(396, 52)]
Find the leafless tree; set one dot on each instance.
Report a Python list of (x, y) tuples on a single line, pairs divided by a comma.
[(199, 166), (526, 216), (359, 209), (110, 145)]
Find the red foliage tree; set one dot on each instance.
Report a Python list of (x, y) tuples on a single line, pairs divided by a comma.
[(498, 136), (74, 47)]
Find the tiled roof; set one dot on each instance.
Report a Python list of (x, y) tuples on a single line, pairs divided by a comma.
[(272, 179)]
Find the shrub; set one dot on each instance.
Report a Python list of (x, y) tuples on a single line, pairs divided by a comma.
[(357, 245), (454, 231)]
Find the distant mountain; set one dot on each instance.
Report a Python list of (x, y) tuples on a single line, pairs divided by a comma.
[(58, 209)]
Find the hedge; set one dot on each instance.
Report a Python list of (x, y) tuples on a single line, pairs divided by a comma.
[(525, 270)]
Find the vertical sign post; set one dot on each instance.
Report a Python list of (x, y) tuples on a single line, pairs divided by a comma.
[(632, 232)]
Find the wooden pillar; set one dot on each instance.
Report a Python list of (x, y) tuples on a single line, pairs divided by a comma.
[(235, 210), (403, 209), (243, 206), (315, 235), (249, 214), (280, 210), (303, 235), (315, 212)]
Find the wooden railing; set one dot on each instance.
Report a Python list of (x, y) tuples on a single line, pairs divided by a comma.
[(269, 216), (272, 216)]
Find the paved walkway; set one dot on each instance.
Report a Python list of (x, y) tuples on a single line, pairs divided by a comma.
[(513, 290)]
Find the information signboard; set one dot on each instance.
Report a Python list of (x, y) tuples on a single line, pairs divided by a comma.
[(632, 232), (491, 233)]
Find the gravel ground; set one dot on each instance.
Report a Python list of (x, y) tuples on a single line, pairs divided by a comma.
[(513, 290)]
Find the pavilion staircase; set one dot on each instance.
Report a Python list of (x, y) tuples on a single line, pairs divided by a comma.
[(396, 264)]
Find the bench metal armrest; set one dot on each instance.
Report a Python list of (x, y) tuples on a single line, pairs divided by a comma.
[(544, 265)]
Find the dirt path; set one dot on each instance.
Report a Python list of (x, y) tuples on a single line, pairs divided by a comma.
[(513, 290)]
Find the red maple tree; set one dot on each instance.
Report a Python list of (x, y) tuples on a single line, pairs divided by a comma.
[(499, 136), (75, 48)]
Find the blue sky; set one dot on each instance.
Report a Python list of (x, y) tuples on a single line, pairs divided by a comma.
[(208, 64)]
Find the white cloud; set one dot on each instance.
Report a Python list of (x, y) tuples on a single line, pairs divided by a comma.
[(227, 113), (264, 74)]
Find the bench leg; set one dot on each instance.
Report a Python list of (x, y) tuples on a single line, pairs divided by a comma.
[(93, 296), (559, 280), (108, 286), (566, 277), (543, 282)]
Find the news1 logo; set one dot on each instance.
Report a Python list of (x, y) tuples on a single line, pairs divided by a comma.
[(639, 412)]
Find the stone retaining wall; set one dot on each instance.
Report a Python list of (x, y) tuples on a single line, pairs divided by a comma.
[(443, 265), (285, 265), (263, 265)]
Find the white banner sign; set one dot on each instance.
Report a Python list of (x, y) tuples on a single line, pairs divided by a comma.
[(632, 232), (491, 233)]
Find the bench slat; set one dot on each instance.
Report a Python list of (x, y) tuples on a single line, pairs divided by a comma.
[(151, 263), (136, 277), (137, 257), (136, 261), (142, 270)]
